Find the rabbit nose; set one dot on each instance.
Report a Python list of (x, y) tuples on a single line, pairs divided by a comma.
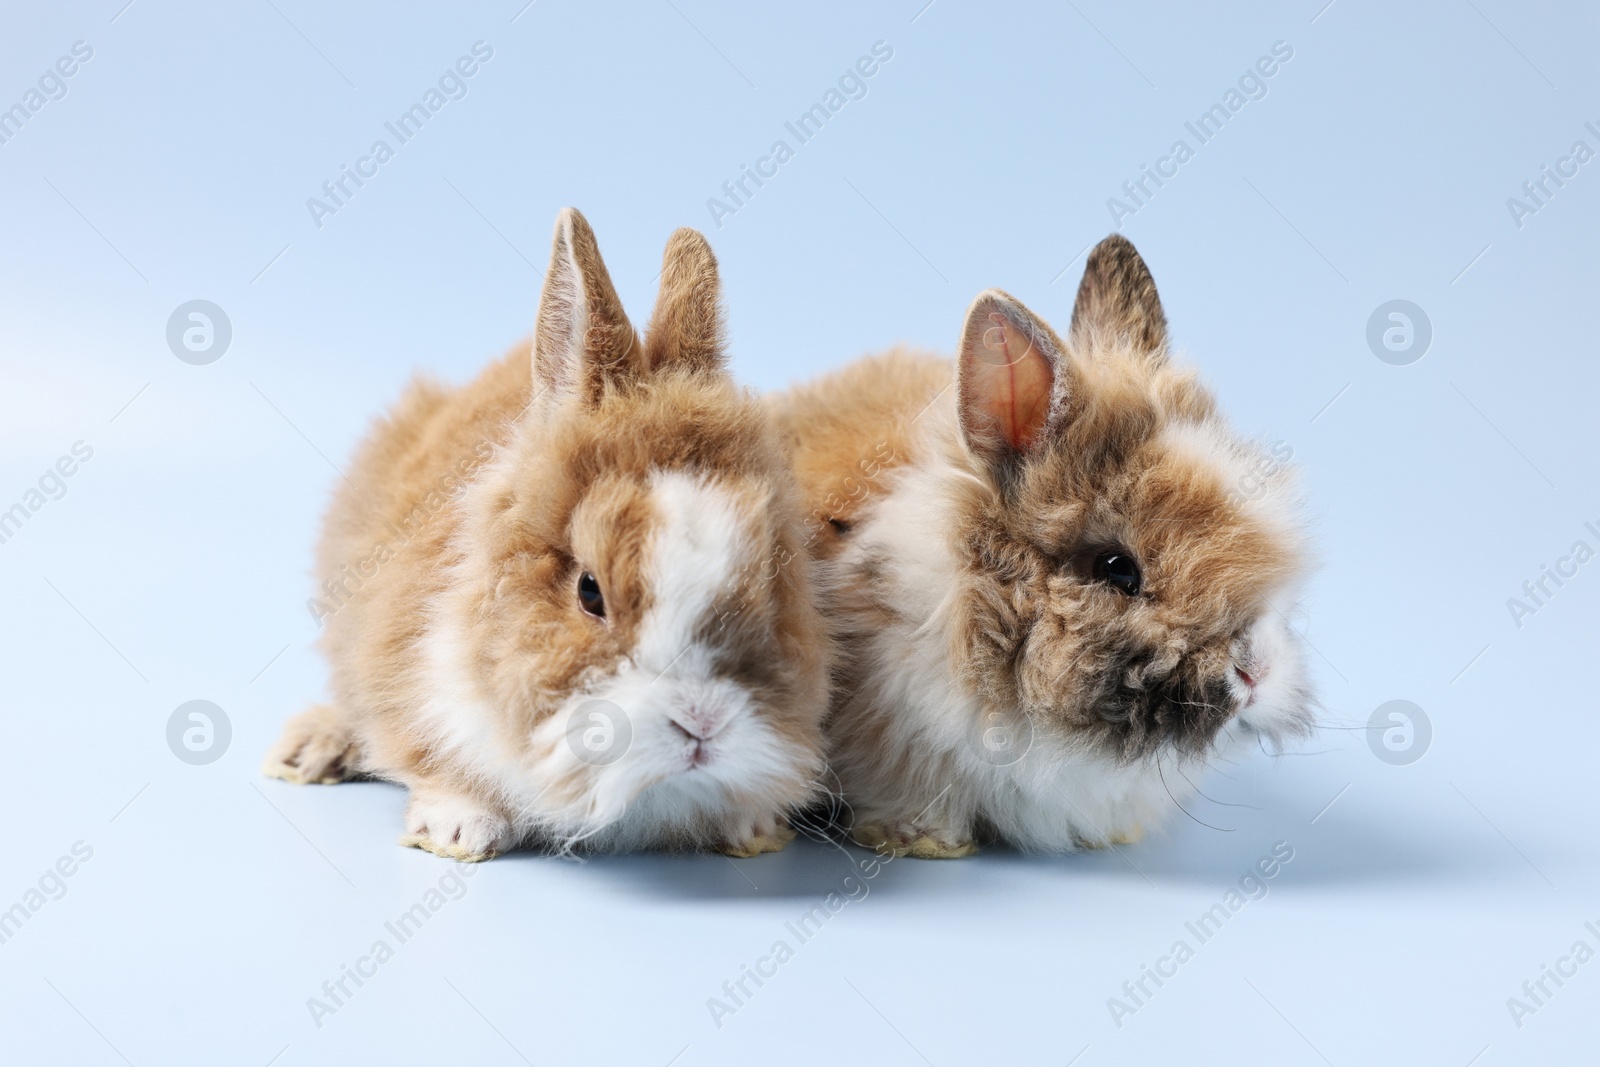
[(696, 721), (1251, 673), (690, 731), (701, 713), (699, 754)]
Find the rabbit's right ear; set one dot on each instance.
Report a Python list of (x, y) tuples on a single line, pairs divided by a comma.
[(686, 327), (583, 337), (1012, 378)]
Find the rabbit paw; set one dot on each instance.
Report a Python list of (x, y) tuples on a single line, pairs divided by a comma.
[(767, 834), (923, 843), (316, 747), (456, 827), (1130, 836)]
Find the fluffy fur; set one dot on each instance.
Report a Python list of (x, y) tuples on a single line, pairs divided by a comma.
[(463, 664), (994, 683)]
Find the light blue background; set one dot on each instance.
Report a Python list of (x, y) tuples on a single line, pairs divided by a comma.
[(176, 566)]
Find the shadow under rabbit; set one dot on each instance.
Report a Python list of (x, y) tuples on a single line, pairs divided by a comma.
[(1352, 848)]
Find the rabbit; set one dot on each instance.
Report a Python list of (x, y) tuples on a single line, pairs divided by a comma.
[(568, 604), (1056, 579)]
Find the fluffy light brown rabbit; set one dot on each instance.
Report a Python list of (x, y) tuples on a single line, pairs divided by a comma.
[(568, 603), (1058, 579)]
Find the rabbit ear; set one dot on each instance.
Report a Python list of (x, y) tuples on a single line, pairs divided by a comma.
[(1117, 302), (583, 337), (1012, 378), (686, 326)]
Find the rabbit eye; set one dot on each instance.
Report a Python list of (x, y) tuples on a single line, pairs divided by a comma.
[(589, 596), (1118, 569)]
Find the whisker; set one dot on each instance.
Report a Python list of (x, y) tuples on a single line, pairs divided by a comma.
[(1186, 811), (1214, 800)]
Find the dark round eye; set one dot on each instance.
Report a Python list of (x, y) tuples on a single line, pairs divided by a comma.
[(589, 596), (1118, 569)]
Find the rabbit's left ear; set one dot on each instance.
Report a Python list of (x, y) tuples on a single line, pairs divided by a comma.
[(1013, 379), (686, 327), (1118, 304)]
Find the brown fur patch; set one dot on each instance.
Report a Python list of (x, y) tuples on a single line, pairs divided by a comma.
[(847, 431)]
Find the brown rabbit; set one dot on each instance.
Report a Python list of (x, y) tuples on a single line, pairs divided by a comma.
[(1057, 578), (569, 602)]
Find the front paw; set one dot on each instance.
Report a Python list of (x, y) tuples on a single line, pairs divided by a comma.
[(752, 838), (317, 746), (905, 839), (456, 827), (1129, 836)]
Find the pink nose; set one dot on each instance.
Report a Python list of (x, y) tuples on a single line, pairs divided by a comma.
[(692, 729), (701, 720), (700, 754), (1246, 677)]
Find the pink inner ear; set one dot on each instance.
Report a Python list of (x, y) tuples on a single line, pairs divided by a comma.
[(1010, 382)]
